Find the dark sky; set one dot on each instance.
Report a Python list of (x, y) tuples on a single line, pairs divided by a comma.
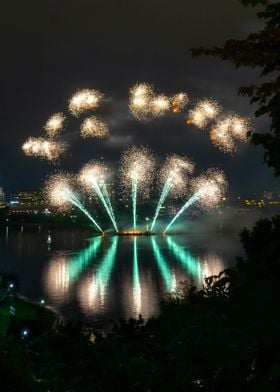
[(49, 49)]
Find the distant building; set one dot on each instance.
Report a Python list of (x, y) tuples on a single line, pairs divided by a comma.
[(2, 198), (27, 202)]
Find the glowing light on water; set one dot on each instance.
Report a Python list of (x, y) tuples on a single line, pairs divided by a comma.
[(137, 165), (226, 131), (79, 262), (212, 265), (60, 194), (174, 179), (93, 176), (190, 263), (84, 100), (57, 279), (179, 102), (100, 279), (136, 279), (140, 97), (208, 190), (168, 277), (204, 111), (43, 148), (55, 124), (94, 127)]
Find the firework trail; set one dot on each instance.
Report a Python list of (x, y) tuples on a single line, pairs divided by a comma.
[(204, 111), (106, 195), (43, 148), (136, 168), (94, 127), (55, 124), (84, 100), (173, 176), (60, 194), (208, 190), (226, 131), (92, 176)]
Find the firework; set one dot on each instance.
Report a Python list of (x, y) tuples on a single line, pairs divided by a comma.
[(208, 189), (140, 97), (173, 179), (94, 127), (55, 124), (84, 100), (179, 102), (204, 111), (43, 148), (137, 165), (159, 105), (240, 127), (93, 176), (221, 137), (60, 193), (226, 131)]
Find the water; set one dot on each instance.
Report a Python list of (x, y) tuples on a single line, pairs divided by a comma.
[(101, 278)]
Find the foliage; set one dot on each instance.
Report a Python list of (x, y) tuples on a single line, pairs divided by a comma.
[(259, 50)]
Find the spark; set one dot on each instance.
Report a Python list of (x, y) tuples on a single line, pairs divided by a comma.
[(55, 124), (94, 127), (204, 111), (43, 148), (84, 100), (140, 97), (93, 177), (136, 169), (208, 190), (179, 102), (173, 176), (60, 194)]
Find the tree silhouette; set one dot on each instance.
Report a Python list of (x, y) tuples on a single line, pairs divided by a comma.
[(259, 50)]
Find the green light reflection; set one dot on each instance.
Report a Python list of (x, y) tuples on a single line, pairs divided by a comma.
[(81, 260), (136, 278), (190, 263), (168, 277), (104, 270)]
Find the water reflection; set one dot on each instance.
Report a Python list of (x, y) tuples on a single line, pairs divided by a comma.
[(64, 270), (120, 277), (78, 263), (188, 261), (167, 275), (136, 279), (93, 290), (57, 279)]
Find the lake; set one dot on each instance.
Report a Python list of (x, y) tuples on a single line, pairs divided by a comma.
[(97, 279)]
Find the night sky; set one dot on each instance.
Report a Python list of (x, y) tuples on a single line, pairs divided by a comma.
[(49, 49)]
